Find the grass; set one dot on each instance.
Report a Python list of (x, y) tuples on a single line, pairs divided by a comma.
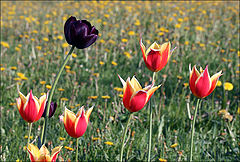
[(32, 40)]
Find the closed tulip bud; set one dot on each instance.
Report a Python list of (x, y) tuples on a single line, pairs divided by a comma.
[(156, 56), (134, 96), (201, 84), (80, 33), (53, 107), (30, 107), (76, 125)]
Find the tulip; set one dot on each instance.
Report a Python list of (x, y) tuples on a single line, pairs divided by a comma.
[(156, 56), (134, 96), (76, 125), (30, 107), (201, 84), (43, 154), (80, 33), (53, 107)]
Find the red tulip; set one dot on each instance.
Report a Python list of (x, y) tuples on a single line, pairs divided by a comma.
[(30, 107), (201, 84), (156, 56), (76, 125), (134, 96)]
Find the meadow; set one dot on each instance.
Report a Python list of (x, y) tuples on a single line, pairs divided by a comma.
[(33, 48)]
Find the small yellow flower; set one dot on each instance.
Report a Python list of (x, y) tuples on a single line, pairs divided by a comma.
[(2, 68), (108, 143), (17, 49), (67, 67), (64, 45), (61, 138), (60, 37), (185, 84), (199, 28), (219, 83), (178, 26), (137, 23), (131, 33), (127, 54), (48, 86), (42, 82), (114, 63), (93, 97), (179, 77), (4, 44), (228, 86), (17, 79), (26, 137), (96, 138), (238, 111), (24, 78), (120, 95), (60, 89), (20, 74), (162, 160), (71, 107), (124, 40), (12, 104), (68, 148), (106, 97), (101, 62), (74, 55), (96, 74), (118, 89), (174, 145), (64, 99)]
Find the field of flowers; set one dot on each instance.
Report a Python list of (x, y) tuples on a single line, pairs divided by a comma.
[(33, 47)]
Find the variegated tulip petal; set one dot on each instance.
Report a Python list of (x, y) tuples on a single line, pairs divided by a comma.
[(20, 105), (80, 126), (33, 152), (127, 94), (136, 85), (203, 84), (122, 81), (153, 47), (44, 158), (165, 55), (55, 153), (44, 151), (151, 91), (79, 113), (165, 49), (154, 60), (88, 113), (42, 103), (148, 87), (214, 80), (23, 98), (143, 49), (31, 109), (138, 101), (69, 122), (194, 74)]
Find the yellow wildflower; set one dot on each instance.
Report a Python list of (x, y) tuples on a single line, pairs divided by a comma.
[(114, 63), (228, 86), (106, 97), (178, 26), (60, 37), (199, 28), (101, 62), (118, 89), (108, 143), (60, 89), (74, 55), (185, 84), (174, 145), (96, 138), (64, 45), (93, 97), (26, 137), (219, 83), (162, 160), (42, 82), (68, 148), (120, 95), (67, 67), (64, 99), (131, 33), (5, 44), (2, 68), (17, 49), (17, 79), (124, 40), (48, 86), (12, 104), (45, 39)]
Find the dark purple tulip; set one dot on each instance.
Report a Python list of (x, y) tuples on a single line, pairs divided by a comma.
[(80, 33), (53, 107)]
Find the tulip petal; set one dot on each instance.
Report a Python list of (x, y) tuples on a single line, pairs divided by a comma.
[(67, 26), (79, 113), (23, 98), (20, 107), (69, 122), (154, 60), (165, 53), (136, 85), (31, 108), (194, 74), (137, 101), (203, 84), (55, 153), (33, 152), (42, 103), (44, 151), (151, 91), (88, 113), (128, 93), (143, 49), (86, 41), (214, 80), (80, 125), (44, 158)]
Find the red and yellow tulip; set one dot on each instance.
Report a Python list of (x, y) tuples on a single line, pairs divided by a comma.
[(134, 96), (30, 107), (156, 56), (76, 125), (43, 154), (201, 84)]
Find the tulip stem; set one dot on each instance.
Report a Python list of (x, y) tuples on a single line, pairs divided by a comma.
[(192, 132), (29, 133), (150, 124), (51, 94), (77, 151), (124, 136)]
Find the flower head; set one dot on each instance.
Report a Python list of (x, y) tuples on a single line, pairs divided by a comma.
[(30, 107), (43, 154), (53, 107), (201, 84), (134, 96), (156, 56), (76, 125), (80, 33)]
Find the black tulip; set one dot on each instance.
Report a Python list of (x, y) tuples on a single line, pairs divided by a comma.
[(53, 107), (80, 33)]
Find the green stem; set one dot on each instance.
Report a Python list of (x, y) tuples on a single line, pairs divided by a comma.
[(77, 151), (192, 132), (29, 133), (150, 125), (124, 136), (51, 94)]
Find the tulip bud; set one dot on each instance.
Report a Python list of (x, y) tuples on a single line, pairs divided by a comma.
[(80, 33), (53, 107)]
